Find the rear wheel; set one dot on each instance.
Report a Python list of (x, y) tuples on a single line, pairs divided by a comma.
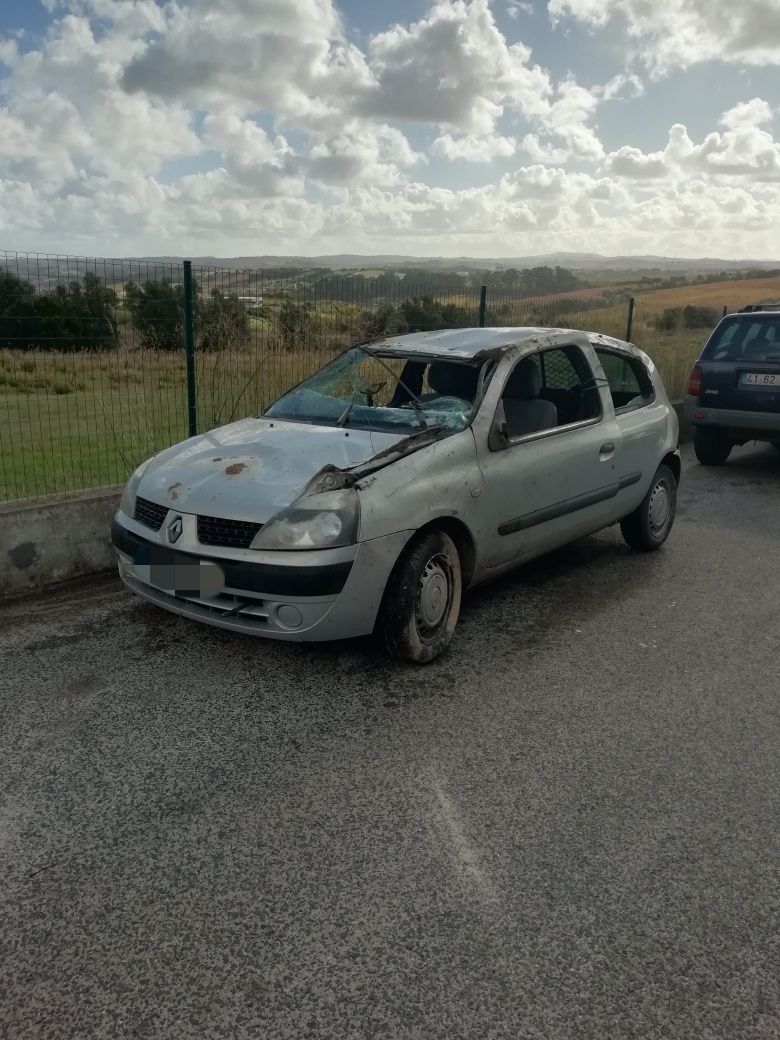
[(648, 527), (422, 599), (712, 447)]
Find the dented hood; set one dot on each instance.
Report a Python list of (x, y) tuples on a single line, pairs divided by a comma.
[(253, 468)]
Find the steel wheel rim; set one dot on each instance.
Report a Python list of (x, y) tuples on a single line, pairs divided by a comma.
[(660, 507), (434, 596)]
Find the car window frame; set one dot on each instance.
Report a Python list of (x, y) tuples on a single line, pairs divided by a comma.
[(630, 359), (579, 424)]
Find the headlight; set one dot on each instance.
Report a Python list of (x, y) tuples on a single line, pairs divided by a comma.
[(127, 501), (314, 522)]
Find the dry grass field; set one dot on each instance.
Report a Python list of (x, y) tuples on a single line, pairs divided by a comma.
[(731, 294)]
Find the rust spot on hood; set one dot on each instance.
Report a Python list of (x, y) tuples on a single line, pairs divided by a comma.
[(175, 490), (235, 468)]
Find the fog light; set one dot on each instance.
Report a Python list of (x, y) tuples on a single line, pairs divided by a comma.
[(289, 616)]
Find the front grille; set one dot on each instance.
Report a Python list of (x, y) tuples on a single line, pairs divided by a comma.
[(232, 534), (149, 513)]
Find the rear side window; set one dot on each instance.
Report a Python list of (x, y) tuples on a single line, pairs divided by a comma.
[(750, 338), (629, 382), (558, 371)]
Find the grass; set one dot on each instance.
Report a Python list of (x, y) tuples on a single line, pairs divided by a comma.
[(76, 421)]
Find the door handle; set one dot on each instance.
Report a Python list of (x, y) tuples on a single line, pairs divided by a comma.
[(607, 449)]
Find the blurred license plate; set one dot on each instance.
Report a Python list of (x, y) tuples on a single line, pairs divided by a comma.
[(770, 380), (177, 573)]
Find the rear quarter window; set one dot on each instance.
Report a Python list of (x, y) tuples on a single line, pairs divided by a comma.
[(630, 384)]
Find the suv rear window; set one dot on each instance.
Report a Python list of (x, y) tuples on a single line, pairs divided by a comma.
[(754, 337)]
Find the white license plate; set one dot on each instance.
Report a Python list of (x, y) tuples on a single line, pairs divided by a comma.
[(770, 380)]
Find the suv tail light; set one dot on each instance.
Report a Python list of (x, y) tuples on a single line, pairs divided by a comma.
[(694, 385)]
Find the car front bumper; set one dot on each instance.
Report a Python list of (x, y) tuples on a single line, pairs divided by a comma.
[(748, 425), (303, 596)]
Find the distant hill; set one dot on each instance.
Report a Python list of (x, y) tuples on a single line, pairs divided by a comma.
[(573, 261)]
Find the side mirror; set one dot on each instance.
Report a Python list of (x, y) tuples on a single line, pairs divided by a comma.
[(498, 438)]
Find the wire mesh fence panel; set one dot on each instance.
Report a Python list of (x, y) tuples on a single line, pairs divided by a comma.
[(93, 365), (673, 337), (91, 370)]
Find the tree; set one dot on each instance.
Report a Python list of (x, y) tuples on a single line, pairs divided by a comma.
[(79, 316), (223, 322), (296, 325), (157, 309)]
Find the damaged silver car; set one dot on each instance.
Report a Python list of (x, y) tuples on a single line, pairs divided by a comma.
[(371, 495)]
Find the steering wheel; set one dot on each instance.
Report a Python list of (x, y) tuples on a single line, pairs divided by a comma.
[(369, 391)]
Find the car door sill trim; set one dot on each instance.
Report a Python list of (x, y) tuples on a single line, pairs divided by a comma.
[(568, 505)]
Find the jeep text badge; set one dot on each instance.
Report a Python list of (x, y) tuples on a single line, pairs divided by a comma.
[(175, 528)]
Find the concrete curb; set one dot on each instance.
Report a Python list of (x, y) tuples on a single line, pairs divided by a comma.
[(52, 540)]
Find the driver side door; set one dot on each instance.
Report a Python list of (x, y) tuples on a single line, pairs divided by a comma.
[(547, 487)]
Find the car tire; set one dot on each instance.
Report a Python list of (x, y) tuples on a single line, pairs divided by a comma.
[(712, 447), (422, 600), (648, 527), (776, 445)]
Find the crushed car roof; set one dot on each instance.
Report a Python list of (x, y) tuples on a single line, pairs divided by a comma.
[(467, 344)]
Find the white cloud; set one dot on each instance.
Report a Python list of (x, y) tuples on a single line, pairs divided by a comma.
[(515, 8), (742, 151), (750, 113), (671, 33), (473, 148), (285, 56), (453, 68)]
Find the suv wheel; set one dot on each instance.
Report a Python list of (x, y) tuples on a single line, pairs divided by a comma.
[(711, 446), (648, 527), (422, 599)]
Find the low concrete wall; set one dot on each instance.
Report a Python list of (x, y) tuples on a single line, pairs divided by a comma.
[(54, 539)]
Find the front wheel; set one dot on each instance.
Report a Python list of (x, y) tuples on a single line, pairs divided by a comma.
[(422, 599), (712, 447), (648, 527)]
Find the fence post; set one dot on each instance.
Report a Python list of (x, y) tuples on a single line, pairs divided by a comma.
[(630, 318), (725, 309), (482, 305), (189, 347)]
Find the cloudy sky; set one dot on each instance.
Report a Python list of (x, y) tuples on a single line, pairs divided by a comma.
[(479, 127)]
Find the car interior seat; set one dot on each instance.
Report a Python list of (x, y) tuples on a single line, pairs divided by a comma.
[(448, 379), (525, 412)]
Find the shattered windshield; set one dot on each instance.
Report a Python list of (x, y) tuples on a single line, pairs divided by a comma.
[(371, 390)]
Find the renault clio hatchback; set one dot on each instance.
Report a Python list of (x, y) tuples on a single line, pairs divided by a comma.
[(372, 494)]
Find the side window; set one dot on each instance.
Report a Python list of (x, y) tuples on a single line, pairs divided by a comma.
[(549, 390), (630, 385)]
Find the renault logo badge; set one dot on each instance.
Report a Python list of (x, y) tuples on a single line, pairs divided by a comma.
[(175, 528)]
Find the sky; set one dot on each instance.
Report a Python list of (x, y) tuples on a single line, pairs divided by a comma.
[(483, 128)]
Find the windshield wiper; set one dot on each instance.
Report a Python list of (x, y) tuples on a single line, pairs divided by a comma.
[(342, 419), (414, 400)]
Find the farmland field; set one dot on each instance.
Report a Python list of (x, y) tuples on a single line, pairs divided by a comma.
[(732, 294)]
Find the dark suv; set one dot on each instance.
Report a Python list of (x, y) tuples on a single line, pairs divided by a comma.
[(734, 392)]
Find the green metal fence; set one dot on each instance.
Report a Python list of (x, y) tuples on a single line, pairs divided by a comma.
[(103, 362)]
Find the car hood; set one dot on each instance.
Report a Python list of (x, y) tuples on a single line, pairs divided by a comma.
[(251, 469)]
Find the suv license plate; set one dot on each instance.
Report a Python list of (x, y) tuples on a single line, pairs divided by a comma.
[(768, 380)]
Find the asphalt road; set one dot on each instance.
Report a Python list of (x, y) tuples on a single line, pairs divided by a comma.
[(566, 828)]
